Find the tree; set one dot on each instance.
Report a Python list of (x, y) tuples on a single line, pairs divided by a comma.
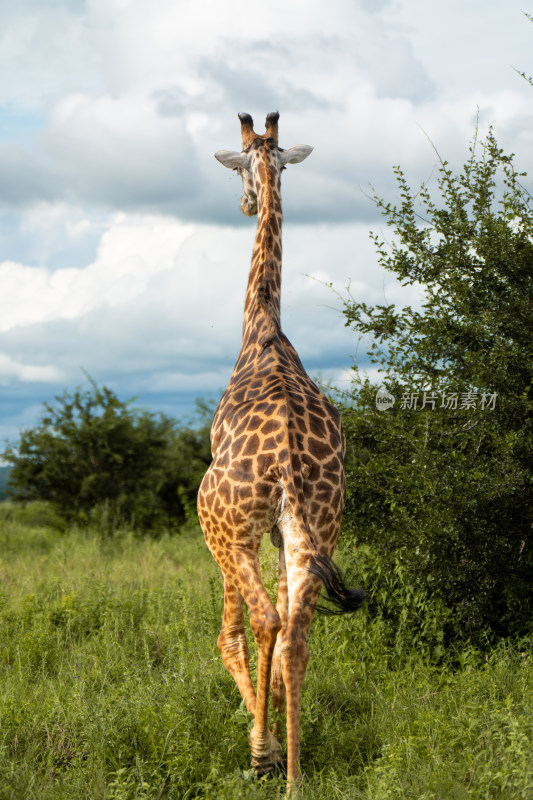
[(440, 490), (96, 458)]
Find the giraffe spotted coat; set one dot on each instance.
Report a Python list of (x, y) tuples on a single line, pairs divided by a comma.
[(277, 467)]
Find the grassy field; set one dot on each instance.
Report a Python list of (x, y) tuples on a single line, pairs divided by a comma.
[(111, 686)]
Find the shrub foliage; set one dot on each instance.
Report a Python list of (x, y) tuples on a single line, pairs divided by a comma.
[(439, 488), (95, 457)]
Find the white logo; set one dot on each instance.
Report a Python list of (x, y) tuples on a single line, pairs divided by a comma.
[(384, 399)]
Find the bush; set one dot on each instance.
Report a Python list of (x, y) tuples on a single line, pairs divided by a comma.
[(441, 491), (94, 458)]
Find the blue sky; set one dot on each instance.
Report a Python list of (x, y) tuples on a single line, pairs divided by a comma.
[(123, 251)]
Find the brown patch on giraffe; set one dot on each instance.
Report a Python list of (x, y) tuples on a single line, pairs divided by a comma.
[(316, 425), (337, 498), (254, 423), (223, 461), (208, 499), (265, 463), (224, 490), (252, 446), (297, 409), (266, 408), (270, 426), (300, 422), (242, 471), (237, 446)]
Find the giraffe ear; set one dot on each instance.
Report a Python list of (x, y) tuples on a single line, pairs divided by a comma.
[(295, 154), (233, 160)]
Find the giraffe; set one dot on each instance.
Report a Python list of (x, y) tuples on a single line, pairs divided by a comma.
[(278, 448)]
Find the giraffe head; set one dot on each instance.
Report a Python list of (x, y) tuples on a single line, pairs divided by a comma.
[(249, 162)]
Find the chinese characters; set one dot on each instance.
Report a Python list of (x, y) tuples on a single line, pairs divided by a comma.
[(448, 400)]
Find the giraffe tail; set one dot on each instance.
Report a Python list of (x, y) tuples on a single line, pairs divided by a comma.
[(342, 599)]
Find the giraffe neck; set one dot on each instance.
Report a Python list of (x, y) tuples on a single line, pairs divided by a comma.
[(262, 305)]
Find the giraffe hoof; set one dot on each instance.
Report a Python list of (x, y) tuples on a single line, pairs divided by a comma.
[(279, 769), (266, 754)]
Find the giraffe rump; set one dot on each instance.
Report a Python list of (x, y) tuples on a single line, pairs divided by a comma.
[(342, 599)]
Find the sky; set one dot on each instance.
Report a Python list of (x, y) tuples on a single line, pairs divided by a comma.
[(123, 252)]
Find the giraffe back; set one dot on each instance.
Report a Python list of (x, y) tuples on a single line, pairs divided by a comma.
[(277, 443)]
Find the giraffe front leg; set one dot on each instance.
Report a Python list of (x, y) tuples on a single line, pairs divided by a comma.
[(233, 646)]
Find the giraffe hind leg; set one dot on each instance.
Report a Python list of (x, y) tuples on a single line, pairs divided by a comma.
[(233, 646), (303, 592)]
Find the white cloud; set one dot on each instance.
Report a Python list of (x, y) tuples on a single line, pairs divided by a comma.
[(171, 78), (44, 51), (130, 253), (120, 151), (172, 37), (56, 234), (27, 373), (168, 79), (466, 47), (124, 250), (161, 305)]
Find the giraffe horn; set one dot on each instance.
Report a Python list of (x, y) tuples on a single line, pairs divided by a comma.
[(247, 129), (272, 125)]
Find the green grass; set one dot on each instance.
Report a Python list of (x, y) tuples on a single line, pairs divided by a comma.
[(111, 686)]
